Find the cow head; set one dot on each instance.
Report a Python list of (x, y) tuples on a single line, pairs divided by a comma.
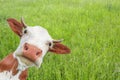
[(35, 42)]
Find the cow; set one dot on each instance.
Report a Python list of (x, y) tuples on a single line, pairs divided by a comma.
[(35, 42)]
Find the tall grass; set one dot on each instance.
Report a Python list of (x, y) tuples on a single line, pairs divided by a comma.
[(91, 28)]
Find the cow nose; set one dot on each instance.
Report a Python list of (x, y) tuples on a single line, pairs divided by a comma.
[(31, 52)]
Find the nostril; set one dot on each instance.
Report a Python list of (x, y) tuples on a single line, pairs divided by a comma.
[(25, 47), (38, 53), (41, 51)]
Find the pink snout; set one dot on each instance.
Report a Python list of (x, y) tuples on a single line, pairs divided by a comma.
[(31, 52)]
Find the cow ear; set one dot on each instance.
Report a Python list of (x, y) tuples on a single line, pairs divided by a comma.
[(59, 48), (15, 26)]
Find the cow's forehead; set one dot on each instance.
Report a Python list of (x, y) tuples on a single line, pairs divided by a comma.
[(39, 33), (37, 30)]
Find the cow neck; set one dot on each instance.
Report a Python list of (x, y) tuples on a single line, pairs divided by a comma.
[(9, 63)]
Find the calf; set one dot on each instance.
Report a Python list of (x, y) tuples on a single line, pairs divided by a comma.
[(35, 42)]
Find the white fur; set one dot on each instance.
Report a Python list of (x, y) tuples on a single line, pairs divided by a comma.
[(38, 37), (7, 75)]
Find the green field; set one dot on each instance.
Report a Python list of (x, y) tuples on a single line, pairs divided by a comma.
[(91, 28)]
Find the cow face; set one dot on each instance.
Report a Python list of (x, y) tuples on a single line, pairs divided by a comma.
[(35, 42)]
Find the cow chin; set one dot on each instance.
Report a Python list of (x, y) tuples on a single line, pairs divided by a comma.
[(24, 63)]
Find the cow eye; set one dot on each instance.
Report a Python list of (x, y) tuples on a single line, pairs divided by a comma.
[(25, 31), (50, 44)]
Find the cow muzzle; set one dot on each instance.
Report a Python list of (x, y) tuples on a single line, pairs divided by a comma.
[(31, 52)]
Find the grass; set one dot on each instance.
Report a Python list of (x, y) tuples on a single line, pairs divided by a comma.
[(91, 28)]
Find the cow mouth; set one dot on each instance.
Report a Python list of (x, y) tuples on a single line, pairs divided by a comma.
[(27, 62)]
